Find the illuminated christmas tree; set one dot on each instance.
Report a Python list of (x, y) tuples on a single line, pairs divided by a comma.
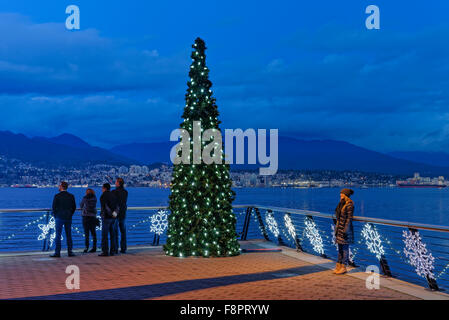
[(201, 222)]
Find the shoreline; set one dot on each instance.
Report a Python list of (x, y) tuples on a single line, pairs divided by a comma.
[(243, 187)]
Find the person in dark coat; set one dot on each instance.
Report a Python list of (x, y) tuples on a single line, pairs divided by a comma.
[(89, 216), (108, 211), (121, 195), (64, 206), (344, 231)]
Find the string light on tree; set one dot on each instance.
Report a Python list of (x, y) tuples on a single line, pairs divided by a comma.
[(159, 222), (272, 224), (372, 240), (201, 221), (416, 251), (313, 235)]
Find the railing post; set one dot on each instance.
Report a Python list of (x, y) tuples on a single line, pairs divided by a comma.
[(156, 239), (431, 282), (46, 246), (385, 267), (433, 285), (244, 236), (261, 225)]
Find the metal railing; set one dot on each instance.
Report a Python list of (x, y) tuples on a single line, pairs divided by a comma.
[(417, 253), (34, 229)]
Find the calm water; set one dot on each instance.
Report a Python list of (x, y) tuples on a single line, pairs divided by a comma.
[(413, 205), (23, 231)]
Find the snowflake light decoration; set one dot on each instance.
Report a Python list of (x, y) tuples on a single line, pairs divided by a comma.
[(159, 222), (415, 250), (49, 228), (373, 241), (98, 228), (334, 238), (272, 224), (314, 236), (290, 227)]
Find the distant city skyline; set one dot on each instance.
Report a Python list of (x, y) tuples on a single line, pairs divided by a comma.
[(311, 70)]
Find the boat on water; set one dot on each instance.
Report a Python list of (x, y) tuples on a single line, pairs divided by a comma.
[(23, 186), (422, 182)]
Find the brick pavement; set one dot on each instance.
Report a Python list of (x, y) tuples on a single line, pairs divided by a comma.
[(149, 274)]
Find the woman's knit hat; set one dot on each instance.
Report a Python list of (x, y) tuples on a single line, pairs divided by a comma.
[(347, 192)]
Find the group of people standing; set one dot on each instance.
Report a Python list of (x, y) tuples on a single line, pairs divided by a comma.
[(113, 204), (113, 215)]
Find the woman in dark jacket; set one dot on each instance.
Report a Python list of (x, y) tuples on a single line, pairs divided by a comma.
[(89, 215), (344, 231)]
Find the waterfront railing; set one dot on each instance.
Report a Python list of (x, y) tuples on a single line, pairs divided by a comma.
[(413, 252)]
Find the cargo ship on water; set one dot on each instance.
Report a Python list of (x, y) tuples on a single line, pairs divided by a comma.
[(23, 186), (422, 182)]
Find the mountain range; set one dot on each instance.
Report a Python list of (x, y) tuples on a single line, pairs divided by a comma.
[(316, 155), (64, 150), (295, 154), (440, 159)]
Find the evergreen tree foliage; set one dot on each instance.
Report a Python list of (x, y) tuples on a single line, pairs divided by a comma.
[(202, 222)]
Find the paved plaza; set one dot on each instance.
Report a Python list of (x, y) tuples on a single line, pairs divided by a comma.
[(146, 273)]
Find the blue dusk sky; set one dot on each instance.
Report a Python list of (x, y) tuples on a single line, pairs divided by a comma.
[(309, 68)]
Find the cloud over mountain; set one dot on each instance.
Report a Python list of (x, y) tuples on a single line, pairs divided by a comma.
[(317, 76)]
